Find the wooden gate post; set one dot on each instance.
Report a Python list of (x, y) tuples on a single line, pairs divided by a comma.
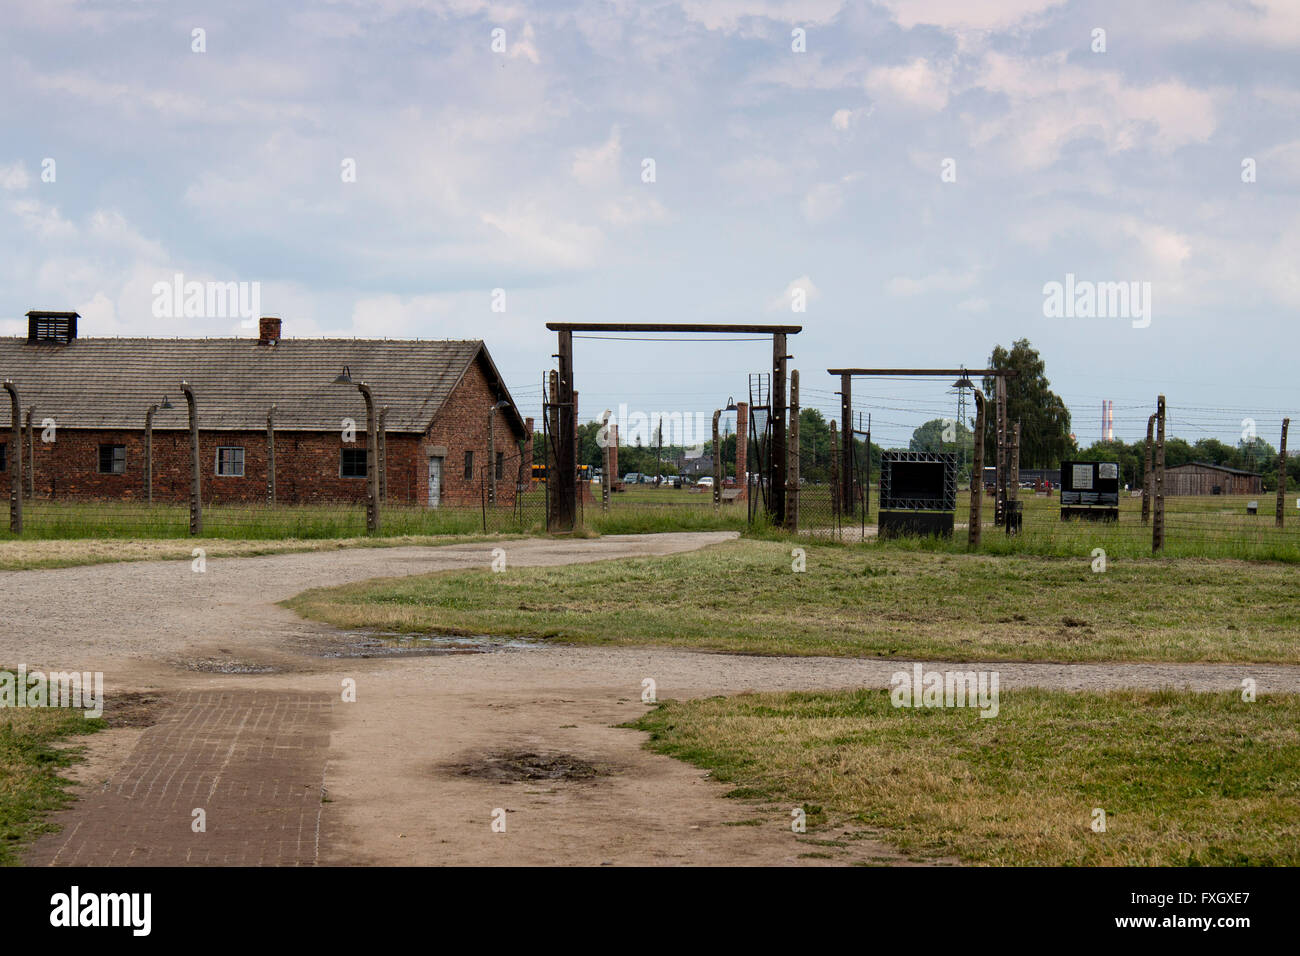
[(196, 486), (16, 466), (846, 447), (776, 484), (977, 477), (1158, 520), (1147, 476), (1281, 475)]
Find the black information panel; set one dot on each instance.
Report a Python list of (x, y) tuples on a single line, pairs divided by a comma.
[(1090, 483)]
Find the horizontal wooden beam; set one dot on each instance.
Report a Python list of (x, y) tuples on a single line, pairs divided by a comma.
[(968, 372), (664, 327)]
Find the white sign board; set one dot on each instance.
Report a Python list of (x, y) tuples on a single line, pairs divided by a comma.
[(1108, 469), (1082, 478)]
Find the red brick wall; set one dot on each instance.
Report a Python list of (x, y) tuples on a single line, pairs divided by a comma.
[(307, 463), (462, 426)]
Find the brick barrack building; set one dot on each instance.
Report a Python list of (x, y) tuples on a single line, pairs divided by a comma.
[(443, 398)]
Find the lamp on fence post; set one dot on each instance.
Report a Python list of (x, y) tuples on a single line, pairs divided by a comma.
[(16, 468), (196, 487), (164, 405), (492, 449)]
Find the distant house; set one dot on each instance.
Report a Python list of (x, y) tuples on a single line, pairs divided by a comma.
[(1203, 478), (439, 396), (696, 467)]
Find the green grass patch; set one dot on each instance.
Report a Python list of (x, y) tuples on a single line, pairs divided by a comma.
[(31, 785), (1185, 779), (743, 597)]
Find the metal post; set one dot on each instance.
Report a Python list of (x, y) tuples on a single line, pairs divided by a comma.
[(16, 467), (372, 461), (792, 469), (977, 476), (717, 461), (1147, 477), (270, 455), (31, 455), (196, 486), (1158, 523), (606, 478), (1281, 474), (778, 469)]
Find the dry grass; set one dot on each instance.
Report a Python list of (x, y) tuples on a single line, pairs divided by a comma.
[(1184, 778)]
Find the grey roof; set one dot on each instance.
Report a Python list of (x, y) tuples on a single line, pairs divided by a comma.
[(1212, 465), (111, 382)]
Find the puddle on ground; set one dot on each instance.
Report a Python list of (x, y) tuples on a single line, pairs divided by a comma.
[(386, 644), (525, 765), (219, 666)]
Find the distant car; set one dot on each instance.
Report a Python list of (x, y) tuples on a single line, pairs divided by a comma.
[(705, 482), (673, 481), (632, 478)]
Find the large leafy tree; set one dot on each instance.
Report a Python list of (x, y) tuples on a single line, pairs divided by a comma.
[(1044, 419)]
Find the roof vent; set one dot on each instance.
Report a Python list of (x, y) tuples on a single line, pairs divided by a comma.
[(51, 328)]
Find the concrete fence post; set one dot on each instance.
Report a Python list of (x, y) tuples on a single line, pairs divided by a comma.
[(835, 471), (148, 452), (1147, 476), (270, 456), (1281, 475), (792, 469), (16, 466), (372, 461), (976, 527), (196, 471), (1158, 512), (31, 454), (717, 461), (383, 456)]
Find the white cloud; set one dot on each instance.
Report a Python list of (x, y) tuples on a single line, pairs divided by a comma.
[(598, 165), (731, 15), (14, 176), (942, 281), (918, 83), (966, 14)]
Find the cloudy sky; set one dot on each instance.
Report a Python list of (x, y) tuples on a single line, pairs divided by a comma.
[(914, 172)]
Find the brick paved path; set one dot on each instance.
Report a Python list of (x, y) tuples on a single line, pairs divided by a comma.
[(253, 760)]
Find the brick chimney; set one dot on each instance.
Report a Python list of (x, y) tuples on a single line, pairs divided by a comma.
[(268, 330), (742, 446)]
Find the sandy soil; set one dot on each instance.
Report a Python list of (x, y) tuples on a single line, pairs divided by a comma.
[(396, 787)]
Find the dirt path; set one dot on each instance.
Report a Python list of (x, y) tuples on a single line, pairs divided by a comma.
[(420, 766)]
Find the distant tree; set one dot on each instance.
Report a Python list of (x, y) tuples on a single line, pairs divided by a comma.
[(1044, 419)]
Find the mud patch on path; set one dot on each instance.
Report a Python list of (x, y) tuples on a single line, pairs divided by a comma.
[(133, 709), (523, 766)]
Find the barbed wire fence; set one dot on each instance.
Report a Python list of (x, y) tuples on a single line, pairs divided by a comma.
[(276, 483)]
